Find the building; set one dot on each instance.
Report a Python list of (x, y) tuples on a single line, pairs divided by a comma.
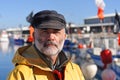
[(93, 24)]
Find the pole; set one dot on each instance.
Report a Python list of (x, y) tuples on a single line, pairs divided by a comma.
[(104, 33)]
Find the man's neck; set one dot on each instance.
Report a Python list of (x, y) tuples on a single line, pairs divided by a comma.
[(53, 58), (50, 60)]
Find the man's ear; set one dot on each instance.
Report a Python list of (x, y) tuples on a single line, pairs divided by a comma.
[(66, 36)]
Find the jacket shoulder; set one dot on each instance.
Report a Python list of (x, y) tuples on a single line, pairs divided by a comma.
[(72, 65), (75, 71), (21, 72)]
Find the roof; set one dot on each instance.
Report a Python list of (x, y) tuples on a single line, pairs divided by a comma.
[(105, 15)]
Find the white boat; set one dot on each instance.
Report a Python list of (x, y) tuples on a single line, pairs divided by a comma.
[(98, 45), (112, 45), (4, 37)]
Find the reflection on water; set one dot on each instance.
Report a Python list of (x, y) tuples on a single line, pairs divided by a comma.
[(4, 47), (7, 51)]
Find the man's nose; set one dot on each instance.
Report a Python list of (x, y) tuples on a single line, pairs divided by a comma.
[(51, 36)]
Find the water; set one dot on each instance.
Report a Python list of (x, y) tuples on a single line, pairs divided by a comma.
[(7, 51)]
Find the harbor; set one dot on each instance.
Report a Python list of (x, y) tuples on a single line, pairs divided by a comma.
[(92, 42), (84, 44), (84, 55)]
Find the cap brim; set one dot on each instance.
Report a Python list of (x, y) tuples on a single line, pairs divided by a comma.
[(52, 24)]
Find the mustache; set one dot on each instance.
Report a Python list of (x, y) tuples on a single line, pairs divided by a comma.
[(50, 43), (47, 43)]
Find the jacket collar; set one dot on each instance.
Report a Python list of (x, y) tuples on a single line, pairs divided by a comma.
[(28, 55)]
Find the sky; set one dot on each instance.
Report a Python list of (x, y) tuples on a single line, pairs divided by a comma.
[(13, 13)]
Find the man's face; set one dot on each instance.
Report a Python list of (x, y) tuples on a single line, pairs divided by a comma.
[(49, 41)]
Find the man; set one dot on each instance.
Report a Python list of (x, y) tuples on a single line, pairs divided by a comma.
[(45, 60)]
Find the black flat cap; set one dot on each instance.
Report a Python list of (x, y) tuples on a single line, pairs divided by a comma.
[(48, 19)]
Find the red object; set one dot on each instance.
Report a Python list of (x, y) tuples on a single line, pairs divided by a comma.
[(58, 74), (100, 13), (119, 39), (90, 45), (106, 57), (30, 39), (31, 31), (80, 46)]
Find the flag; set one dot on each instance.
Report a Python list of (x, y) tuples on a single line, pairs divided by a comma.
[(29, 17), (117, 23), (117, 17), (100, 5)]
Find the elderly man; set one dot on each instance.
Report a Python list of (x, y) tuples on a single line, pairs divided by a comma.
[(45, 60)]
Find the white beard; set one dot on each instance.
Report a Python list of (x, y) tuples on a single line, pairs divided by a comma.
[(51, 50)]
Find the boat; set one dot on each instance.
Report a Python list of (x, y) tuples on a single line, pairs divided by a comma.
[(19, 41), (115, 65), (4, 36), (91, 55), (110, 43), (16, 39)]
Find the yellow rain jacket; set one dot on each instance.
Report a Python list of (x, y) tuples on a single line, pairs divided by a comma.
[(32, 67)]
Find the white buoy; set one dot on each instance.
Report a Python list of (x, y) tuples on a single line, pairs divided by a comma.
[(89, 70), (108, 74)]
